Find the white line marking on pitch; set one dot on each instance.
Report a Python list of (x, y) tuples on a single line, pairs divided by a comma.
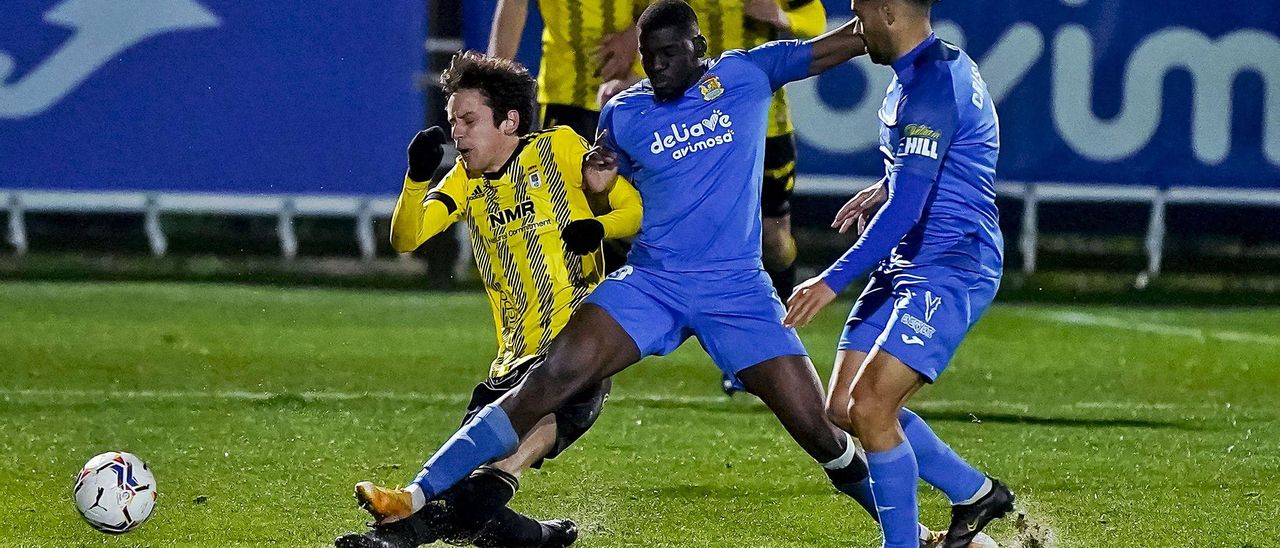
[(1081, 318), (459, 399)]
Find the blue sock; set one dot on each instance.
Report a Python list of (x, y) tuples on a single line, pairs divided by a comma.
[(893, 481), (486, 437), (939, 465)]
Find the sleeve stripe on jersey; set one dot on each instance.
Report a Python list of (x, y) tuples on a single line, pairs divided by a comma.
[(443, 198)]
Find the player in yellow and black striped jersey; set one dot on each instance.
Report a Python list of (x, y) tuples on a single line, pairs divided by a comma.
[(536, 232), (584, 43), (515, 216)]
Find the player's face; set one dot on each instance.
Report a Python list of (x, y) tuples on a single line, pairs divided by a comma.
[(672, 59), (875, 29), (477, 138)]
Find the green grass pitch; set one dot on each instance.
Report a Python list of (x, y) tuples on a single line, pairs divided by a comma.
[(258, 408)]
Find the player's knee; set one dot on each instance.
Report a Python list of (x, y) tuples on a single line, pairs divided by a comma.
[(838, 413), (869, 412)]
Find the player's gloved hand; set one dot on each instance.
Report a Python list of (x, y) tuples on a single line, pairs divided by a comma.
[(583, 236), (425, 152)]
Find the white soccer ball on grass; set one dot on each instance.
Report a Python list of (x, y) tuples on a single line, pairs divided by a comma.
[(115, 492)]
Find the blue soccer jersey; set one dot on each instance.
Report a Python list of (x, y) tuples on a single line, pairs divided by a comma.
[(937, 238), (698, 160), (940, 135)]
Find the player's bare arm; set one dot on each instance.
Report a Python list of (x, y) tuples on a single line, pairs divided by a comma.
[(508, 26), (837, 46)]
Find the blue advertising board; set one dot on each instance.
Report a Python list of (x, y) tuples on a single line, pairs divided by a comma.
[(1118, 92), (315, 97)]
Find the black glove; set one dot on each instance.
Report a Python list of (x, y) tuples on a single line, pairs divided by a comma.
[(583, 236), (425, 152)]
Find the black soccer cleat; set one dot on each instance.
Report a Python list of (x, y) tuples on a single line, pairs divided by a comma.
[(423, 527), (558, 533), (967, 520), (377, 537)]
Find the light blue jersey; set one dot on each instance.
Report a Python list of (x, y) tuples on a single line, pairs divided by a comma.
[(940, 136), (937, 239), (698, 160)]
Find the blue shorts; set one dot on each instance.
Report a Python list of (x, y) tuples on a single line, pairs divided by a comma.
[(735, 314), (918, 314)]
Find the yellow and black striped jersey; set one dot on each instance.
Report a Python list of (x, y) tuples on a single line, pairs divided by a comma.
[(725, 25), (569, 73), (515, 219)]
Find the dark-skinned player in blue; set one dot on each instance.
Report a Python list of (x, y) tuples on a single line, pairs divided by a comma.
[(691, 139), (930, 230)]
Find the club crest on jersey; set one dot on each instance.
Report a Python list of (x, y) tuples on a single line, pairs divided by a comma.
[(711, 88), (535, 180)]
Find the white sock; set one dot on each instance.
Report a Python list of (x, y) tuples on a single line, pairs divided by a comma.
[(850, 451), (982, 492), (924, 533), (416, 494)]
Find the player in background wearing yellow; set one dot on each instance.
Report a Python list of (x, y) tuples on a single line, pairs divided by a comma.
[(536, 233), (734, 24), (584, 44)]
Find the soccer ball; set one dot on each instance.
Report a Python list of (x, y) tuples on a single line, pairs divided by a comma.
[(115, 492)]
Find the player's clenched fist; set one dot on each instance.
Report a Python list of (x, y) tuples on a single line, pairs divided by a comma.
[(599, 166), (806, 301), (425, 152)]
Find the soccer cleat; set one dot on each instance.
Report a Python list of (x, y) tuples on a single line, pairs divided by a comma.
[(558, 533), (935, 538), (385, 505), (424, 527), (378, 537), (967, 520)]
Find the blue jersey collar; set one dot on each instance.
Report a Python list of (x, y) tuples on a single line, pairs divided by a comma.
[(905, 65)]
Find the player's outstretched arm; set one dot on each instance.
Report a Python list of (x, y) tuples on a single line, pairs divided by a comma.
[(626, 209), (422, 212), (837, 46), (508, 26)]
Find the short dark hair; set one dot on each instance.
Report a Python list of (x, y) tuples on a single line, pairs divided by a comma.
[(504, 83), (666, 14)]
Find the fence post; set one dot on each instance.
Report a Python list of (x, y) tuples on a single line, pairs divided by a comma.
[(17, 225), (284, 227), (1030, 226), (1155, 239), (364, 230), (155, 233)]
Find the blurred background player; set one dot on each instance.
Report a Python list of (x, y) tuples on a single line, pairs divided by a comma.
[(536, 234), (937, 252), (728, 25)]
